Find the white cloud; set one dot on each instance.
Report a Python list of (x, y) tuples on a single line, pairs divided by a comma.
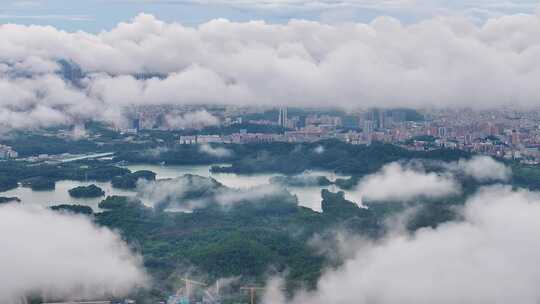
[(183, 193), (436, 62), (189, 192), (485, 168), (319, 150), (192, 120), (490, 257), (254, 194), (397, 183), (78, 132), (215, 151), (58, 255)]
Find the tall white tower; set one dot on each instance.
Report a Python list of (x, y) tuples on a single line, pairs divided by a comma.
[(282, 120)]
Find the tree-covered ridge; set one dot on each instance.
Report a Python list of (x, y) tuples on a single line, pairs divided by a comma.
[(18, 171), (247, 237), (129, 181), (74, 209), (39, 183), (291, 158), (252, 237)]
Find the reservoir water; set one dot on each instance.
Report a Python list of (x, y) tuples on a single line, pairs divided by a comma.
[(307, 196)]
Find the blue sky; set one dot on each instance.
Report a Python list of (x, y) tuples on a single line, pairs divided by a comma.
[(97, 15)]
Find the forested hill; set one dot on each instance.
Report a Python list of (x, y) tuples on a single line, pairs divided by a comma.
[(249, 238), (291, 158)]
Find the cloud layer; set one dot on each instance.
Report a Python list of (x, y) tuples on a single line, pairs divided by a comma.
[(436, 62), (484, 169), (190, 192), (395, 182), (487, 258), (219, 152), (191, 120), (62, 256), (407, 182)]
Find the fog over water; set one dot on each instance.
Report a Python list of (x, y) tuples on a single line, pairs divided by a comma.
[(307, 196)]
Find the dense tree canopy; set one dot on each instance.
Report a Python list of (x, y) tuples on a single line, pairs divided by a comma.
[(86, 192)]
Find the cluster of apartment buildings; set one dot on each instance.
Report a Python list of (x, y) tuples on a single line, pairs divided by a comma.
[(501, 133), (7, 152)]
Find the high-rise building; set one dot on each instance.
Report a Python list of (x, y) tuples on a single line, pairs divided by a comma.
[(136, 124), (369, 126), (282, 119), (515, 137), (442, 132), (377, 116), (381, 121), (351, 122)]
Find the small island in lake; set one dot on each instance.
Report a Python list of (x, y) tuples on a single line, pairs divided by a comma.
[(75, 209), (86, 192)]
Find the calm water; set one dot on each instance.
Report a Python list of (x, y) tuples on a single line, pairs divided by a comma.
[(61, 196), (308, 196)]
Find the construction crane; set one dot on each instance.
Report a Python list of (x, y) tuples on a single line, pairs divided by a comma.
[(189, 284), (213, 297), (252, 292), (333, 178)]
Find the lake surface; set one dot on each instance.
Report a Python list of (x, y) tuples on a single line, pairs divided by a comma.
[(60, 194), (308, 196)]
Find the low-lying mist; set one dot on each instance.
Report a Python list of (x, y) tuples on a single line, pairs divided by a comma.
[(61, 256), (489, 257)]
